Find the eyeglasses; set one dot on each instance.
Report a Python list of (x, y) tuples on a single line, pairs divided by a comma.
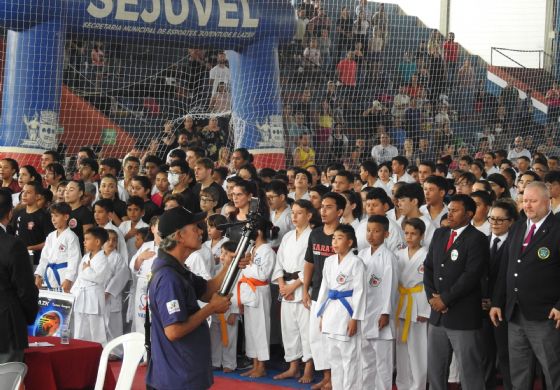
[(207, 200), (497, 221)]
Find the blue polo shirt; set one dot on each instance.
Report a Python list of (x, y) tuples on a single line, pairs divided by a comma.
[(184, 364)]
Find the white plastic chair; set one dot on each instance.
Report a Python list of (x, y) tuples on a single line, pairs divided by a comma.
[(133, 345), (11, 375)]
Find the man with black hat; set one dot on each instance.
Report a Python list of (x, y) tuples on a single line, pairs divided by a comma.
[(181, 357)]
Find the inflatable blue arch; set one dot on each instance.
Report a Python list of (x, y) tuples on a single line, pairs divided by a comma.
[(250, 31)]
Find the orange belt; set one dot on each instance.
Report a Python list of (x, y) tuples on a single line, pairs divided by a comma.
[(253, 284), (223, 329)]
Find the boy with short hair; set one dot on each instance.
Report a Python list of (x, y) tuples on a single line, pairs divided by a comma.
[(224, 327), (280, 211), (412, 331), (378, 203), (61, 255), (102, 210), (435, 189), (128, 228), (288, 273), (378, 330), (552, 180), (89, 288), (410, 197), (119, 277)]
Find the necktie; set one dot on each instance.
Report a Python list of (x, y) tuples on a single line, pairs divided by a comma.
[(529, 237), (494, 248), (451, 240)]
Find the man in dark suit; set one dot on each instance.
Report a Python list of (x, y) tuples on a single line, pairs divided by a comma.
[(527, 293), (18, 294), (453, 272), (503, 215)]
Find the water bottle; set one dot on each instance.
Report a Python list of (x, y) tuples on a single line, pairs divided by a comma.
[(64, 334)]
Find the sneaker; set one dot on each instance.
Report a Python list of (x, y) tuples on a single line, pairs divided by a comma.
[(244, 363)]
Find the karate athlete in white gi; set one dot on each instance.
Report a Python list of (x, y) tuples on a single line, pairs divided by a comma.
[(377, 203), (413, 310), (253, 293), (141, 266), (381, 292), (58, 266), (224, 327), (280, 211), (89, 289), (119, 277), (288, 273), (342, 302)]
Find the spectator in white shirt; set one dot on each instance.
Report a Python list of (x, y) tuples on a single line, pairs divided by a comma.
[(518, 150), (384, 151), (220, 73)]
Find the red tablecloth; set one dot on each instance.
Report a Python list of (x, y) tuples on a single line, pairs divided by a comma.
[(71, 366)]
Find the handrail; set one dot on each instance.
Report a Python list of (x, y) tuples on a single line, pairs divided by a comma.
[(500, 50)]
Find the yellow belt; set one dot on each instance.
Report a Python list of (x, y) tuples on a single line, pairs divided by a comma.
[(406, 292)]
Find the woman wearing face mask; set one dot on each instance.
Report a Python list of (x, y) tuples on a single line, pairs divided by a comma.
[(181, 179)]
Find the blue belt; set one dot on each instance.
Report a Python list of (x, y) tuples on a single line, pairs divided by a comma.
[(55, 267), (337, 295)]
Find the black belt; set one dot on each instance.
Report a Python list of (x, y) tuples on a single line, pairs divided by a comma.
[(291, 276)]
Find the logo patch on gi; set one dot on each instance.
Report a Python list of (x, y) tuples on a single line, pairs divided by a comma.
[(341, 279), (62, 248), (374, 281), (173, 306), (30, 225), (454, 254), (543, 253), (421, 269), (72, 223), (257, 261)]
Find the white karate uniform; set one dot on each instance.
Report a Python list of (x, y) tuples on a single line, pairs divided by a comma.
[(412, 356), (89, 303), (120, 275), (201, 263), (437, 220), (343, 351), (381, 291), (484, 228), (121, 245), (215, 251), (139, 289), (59, 249), (224, 355), (283, 222), (294, 316), (394, 242), (256, 304), (125, 227)]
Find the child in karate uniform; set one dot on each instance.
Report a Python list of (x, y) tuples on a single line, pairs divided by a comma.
[(89, 288), (215, 238), (288, 273), (224, 327), (61, 254), (129, 228), (381, 291), (342, 304), (141, 266), (413, 310), (114, 287), (253, 298)]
